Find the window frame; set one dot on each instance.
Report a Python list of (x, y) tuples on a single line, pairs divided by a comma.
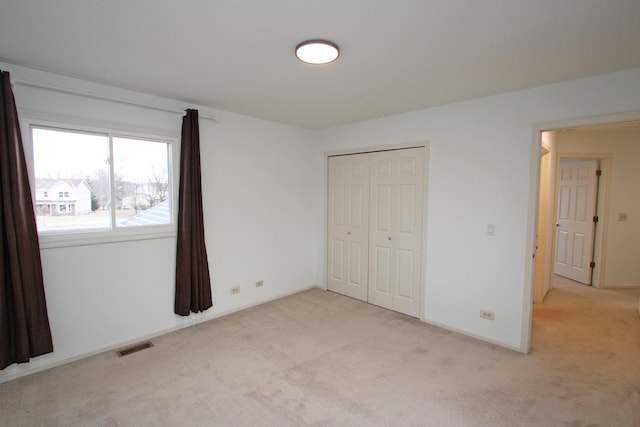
[(81, 237)]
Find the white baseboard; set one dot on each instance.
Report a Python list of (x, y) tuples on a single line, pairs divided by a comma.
[(475, 336), (29, 370)]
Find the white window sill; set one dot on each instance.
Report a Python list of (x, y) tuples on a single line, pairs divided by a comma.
[(50, 240)]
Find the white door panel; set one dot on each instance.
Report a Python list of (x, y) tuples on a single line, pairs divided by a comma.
[(357, 255), (348, 225), (405, 278), (575, 226), (381, 280), (336, 270), (397, 184)]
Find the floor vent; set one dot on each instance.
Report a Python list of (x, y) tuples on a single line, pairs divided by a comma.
[(134, 348)]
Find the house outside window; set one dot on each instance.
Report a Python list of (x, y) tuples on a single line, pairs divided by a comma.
[(77, 197)]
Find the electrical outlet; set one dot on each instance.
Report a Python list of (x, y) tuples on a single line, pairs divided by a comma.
[(486, 314), (622, 216), (259, 284), (235, 290)]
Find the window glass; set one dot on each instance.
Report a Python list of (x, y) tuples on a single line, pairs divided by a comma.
[(141, 182), (87, 191), (77, 164)]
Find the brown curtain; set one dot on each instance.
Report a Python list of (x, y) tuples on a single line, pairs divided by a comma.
[(193, 284), (24, 323)]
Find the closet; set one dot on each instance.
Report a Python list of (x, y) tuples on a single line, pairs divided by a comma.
[(374, 227)]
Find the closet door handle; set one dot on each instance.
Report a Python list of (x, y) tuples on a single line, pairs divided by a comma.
[(389, 237), (348, 232)]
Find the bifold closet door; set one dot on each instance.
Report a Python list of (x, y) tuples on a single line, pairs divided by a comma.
[(395, 237), (348, 225)]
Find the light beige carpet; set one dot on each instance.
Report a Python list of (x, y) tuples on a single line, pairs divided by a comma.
[(321, 359)]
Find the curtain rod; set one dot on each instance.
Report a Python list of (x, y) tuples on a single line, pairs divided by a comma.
[(108, 98)]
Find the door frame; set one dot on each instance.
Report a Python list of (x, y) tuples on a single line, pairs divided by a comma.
[(534, 191), (543, 234), (344, 152)]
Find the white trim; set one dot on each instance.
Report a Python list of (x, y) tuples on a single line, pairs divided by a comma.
[(607, 119), (423, 248), (475, 336), (377, 148), (325, 229), (88, 238), (530, 241), (63, 121)]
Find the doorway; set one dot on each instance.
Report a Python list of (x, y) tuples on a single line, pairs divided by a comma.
[(614, 248), (615, 139)]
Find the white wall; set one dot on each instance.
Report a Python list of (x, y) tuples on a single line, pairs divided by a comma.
[(484, 158), (264, 209), (259, 226), (621, 249)]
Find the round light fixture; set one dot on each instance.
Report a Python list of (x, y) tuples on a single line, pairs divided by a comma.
[(317, 52)]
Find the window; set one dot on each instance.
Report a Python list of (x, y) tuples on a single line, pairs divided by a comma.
[(119, 183)]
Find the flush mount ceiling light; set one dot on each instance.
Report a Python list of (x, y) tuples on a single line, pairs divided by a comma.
[(317, 52)]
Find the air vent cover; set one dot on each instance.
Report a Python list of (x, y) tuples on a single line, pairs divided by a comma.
[(134, 348)]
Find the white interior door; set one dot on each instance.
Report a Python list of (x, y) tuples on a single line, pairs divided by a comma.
[(395, 248), (575, 226), (348, 225)]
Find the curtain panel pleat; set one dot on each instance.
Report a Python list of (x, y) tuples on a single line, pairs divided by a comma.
[(193, 283), (24, 322)]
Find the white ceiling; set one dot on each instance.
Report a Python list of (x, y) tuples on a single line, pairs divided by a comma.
[(396, 55)]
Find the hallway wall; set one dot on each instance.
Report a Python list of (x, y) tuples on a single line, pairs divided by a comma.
[(621, 238)]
